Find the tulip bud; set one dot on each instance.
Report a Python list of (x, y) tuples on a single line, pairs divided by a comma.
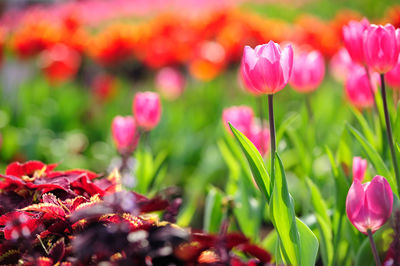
[(147, 109), (353, 39), (358, 87), (359, 168), (369, 205), (266, 69), (125, 134), (308, 71), (241, 117), (170, 82), (381, 48)]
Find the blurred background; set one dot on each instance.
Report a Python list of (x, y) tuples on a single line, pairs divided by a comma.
[(69, 67)]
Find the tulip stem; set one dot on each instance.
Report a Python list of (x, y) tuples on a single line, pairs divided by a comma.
[(373, 247), (260, 109), (389, 132), (309, 107), (272, 134)]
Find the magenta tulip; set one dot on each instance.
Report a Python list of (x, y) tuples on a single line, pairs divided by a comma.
[(340, 65), (308, 71), (266, 69), (353, 39), (147, 109), (124, 134), (359, 168), (241, 117), (393, 76), (369, 205), (381, 48), (358, 87), (170, 83), (260, 138)]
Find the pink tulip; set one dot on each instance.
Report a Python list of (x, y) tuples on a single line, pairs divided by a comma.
[(260, 138), (393, 76), (381, 48), (358, 88), (353, 39), (266, 69), (308, 71), (170, 83), (359, 168), (369, 205), (147, 109), (125, 134), (340, 65), (241, 117)]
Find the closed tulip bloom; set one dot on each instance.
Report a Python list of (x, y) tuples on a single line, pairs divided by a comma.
[(369, 205), (124, 134), (381, 49), (147, 109), (308, 71), (353, 39), (170, 83), (357, 87), (393, 76), (266, 69), (241, 117), (359, 168)]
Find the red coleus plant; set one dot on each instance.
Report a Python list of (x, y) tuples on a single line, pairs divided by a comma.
[(74, 218)]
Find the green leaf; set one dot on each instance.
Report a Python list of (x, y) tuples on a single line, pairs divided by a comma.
[(368, 133), (375, 158), (324, 223), (284, 218), (255, 161), (308, 244), (213, 213)]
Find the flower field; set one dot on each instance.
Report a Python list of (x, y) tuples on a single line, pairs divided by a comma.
[(199, 132)]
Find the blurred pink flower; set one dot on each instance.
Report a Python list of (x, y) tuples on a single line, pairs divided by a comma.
[(125, 134), (147, 109), (341, 65), (353, 39), (381, 49), (308, 71), (260, 138), (358, 87), (266, 69), (241, 117), (170, 83), (393, 76), (369, 205)]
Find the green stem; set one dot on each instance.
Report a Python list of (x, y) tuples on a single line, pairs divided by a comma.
[(373, 247), (272, 134), (389, 132), (309, 107)]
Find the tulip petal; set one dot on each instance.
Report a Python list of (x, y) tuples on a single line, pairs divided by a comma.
[(287, 63), (354, 200)]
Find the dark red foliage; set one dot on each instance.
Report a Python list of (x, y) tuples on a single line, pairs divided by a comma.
[(52, 217)]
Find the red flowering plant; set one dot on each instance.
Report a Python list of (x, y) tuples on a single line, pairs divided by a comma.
[(75, 218)]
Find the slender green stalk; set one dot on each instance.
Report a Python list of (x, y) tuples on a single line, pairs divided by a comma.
[(373, 247), (309, 107), (389, 132), (272, 133)]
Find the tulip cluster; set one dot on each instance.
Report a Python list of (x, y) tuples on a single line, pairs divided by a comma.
[(146, 115)]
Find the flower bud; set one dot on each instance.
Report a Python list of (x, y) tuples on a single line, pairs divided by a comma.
[(147, 109)]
